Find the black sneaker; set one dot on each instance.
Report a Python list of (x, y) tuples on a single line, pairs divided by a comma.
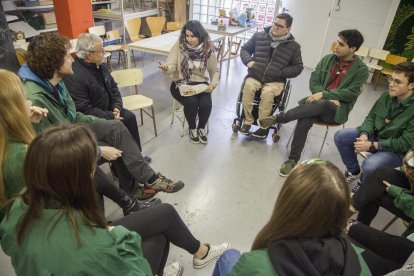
[(260, 133), (136, 205), (202, 136), (194, 136), (245, 129), (356, 186)]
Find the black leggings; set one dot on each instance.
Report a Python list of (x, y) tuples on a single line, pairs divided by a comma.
[(384, 252), (307, 115), (158, 226), (199, 104), (372, 195)]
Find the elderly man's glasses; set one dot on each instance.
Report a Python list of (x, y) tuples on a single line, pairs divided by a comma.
[(396, 82), (278, 26)]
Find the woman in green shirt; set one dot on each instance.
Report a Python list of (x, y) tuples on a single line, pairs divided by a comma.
[(16, 130)]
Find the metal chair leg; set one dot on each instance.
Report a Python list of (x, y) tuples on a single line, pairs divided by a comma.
[(323, 143)]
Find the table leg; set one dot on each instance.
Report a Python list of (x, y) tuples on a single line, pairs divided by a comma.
[(228, 61), (129, 57), (223, 42)]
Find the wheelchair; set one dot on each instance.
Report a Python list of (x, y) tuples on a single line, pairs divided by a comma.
[(280, 103)]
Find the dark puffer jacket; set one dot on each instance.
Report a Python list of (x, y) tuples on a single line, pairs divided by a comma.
[(93, 89), (285, 62)]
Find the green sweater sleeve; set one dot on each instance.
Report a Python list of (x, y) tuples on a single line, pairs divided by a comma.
[(128, 245), (403, 200), (13, 169), (256, 262), (401, 143), (82, 118)]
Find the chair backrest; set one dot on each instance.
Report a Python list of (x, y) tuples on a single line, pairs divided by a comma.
[(97, 30), (174, 26), (394, 59), (133, 26), (113, 35), (155, 24), (128, 77), (362, 52), (378, 53), (21, 56), (73, 43)]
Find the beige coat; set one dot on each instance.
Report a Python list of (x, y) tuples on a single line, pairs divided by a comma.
[(174, 68)]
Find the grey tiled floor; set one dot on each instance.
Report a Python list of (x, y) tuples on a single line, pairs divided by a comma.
[(231, 183)]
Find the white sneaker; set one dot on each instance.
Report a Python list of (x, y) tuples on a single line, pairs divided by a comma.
[(213, 254), (174, 269)]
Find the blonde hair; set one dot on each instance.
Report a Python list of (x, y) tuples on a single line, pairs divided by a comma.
[(14, 122), (313, 203)]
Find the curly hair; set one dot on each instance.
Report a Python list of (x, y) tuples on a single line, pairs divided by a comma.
[(46, 54)]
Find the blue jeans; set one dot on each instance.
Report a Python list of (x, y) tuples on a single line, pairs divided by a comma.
[(226, 262), (344, 141)]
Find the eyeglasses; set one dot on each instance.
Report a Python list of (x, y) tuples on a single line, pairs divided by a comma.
[(102, 50), (278, 26), (396, 82)]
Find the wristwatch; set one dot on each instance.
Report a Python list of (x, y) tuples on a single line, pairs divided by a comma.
[(372, 147)]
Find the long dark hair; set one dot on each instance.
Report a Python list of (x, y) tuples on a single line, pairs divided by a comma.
[(59, 170), (313, 203), (198, 30)]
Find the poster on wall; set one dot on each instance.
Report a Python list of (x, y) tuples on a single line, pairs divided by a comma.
[(400, 39)]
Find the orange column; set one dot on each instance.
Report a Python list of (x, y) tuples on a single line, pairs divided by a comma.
[(73, 16)]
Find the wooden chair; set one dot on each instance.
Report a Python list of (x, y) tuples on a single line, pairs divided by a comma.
[(133, 77), (392, 60), (362, 52), (178, 111), (133, 26), (114, 37), (173, 26), (155, 24)]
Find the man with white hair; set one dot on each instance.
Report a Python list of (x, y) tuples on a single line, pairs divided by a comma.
[(94, 90)]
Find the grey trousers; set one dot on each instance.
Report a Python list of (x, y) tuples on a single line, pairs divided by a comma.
[(131, 166)]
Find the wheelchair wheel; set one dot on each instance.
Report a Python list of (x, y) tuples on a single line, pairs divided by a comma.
[(286, 97), (275, 137)]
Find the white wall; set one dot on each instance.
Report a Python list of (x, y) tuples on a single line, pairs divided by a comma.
[(309, 21), (368, 16)]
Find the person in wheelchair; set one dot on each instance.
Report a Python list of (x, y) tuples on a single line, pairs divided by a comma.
[(272, 56), (335, 84)]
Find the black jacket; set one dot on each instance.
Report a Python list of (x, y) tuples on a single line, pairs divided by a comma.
[(285, 62), (93, 89)]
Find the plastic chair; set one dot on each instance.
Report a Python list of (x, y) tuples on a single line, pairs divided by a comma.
[(362, 52), (179, 113), (155, 24), (376, 55), (392, 60), (173, 26), (114, 37), (133, 77)]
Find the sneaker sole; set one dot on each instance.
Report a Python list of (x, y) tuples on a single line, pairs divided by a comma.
[(146, 193), (244, 133), (203, 142), (178, 186), (207, 263), (195, 142), (258, 136), (283, 174)]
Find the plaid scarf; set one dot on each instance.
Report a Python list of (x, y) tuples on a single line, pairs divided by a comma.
[(192, 58)]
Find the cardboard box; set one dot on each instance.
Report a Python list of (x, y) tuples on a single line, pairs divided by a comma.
[(49, 19), (45, 2)]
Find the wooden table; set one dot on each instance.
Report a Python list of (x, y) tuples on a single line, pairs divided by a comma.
[(231, 31), (162, 44)]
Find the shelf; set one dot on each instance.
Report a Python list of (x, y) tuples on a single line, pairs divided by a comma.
[(103, 2), (126, 15)]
